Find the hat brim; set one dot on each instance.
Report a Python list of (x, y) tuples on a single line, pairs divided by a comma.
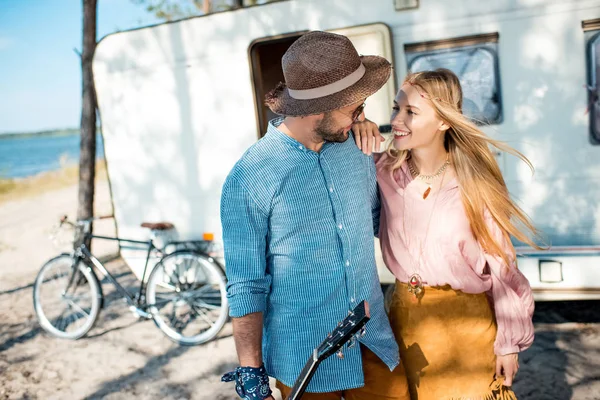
[(378, 71)]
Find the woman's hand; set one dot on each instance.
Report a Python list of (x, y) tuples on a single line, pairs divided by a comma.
[(507, 366), (367, 136)]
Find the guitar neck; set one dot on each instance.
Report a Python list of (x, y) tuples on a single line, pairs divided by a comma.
[(304, 379)]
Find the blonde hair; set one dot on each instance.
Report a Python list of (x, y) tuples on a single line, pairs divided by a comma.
[(481, 184)]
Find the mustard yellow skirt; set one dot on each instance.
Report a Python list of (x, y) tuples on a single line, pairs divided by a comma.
[(446, 340)]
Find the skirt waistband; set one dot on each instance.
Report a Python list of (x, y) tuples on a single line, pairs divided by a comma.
[(436, 293)]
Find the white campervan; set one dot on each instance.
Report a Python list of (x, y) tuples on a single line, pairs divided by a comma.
[(180, 102)]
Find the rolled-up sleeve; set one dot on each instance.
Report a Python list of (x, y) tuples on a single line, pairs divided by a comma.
[(245, 227)]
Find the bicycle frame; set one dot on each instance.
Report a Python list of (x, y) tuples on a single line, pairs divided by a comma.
[(84, 253), (137, 300)]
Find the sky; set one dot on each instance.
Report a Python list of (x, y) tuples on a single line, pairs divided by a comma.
[(40, 73)]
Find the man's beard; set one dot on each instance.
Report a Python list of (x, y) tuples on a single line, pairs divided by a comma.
[(326, 130)]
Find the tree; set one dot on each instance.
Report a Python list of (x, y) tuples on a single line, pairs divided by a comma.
[(87, 159), (170, 10)]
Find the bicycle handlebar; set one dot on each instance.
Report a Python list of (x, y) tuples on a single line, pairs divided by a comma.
[(65, 220)]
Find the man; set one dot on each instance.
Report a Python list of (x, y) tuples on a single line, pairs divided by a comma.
[(298, 213)]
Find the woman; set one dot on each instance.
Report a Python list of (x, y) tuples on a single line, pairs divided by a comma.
[(461, 310)]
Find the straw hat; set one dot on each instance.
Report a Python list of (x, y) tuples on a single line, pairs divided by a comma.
[(323, 72)]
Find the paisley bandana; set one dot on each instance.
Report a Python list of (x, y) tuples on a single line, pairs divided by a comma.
[(250, 383)]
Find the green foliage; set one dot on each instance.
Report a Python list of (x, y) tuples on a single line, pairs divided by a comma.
[(170, 10)]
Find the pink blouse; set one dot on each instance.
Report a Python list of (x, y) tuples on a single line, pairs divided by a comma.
[(448, 252)]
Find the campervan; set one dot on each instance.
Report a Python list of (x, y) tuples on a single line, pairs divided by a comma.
[(181, 101)]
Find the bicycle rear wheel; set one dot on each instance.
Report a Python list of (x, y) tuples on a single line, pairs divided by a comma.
[(66, 305), (187, 297)]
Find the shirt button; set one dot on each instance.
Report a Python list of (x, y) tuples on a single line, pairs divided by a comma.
[(331, 189), (301, 147), (352, 299), (340, 226), (347, 263)]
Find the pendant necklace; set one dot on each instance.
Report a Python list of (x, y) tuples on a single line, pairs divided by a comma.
[(427, 178), (415, 282)]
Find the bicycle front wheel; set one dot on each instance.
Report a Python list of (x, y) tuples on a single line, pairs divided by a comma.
[(66, 297), (187, 297)]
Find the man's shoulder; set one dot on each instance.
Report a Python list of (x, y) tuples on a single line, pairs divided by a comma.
[(265, 157), (260, 170)]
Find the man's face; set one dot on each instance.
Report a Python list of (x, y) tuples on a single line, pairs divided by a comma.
[(335, 125)]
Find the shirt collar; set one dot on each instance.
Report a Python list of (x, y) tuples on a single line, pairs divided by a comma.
[(273, 131)]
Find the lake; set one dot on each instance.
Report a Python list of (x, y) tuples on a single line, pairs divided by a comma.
[(31, 155)]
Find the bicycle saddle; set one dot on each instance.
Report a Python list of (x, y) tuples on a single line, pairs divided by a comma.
[(158, 226)]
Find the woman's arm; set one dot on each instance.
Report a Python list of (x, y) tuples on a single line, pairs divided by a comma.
[(513, 305)]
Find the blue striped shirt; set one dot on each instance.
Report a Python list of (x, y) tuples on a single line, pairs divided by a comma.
[(298, 234)]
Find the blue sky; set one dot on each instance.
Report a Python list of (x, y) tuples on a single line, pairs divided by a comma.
[(40, 73)]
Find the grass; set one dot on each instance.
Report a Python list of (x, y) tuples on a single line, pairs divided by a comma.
[(15, 189)]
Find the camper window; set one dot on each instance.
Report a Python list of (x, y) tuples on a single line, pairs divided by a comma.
[(406, 4), (475, 60), (594, 84)]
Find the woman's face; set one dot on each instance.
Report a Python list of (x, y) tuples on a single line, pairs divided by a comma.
[(414, 121)]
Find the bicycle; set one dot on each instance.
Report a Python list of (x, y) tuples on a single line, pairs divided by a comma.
[(184, 294)]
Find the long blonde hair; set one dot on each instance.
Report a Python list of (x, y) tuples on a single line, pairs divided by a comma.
[(481, 184)]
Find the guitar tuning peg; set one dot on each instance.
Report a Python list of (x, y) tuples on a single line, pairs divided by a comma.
[(340, 354), (363, 331), (352, 342)]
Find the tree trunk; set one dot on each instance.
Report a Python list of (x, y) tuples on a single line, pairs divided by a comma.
[(87, 160), (238, 4), (206, 6)]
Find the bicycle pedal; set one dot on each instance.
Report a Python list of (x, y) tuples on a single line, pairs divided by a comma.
[(140, 313)]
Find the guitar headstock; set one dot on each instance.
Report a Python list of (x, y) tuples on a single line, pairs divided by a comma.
[(345, 331)]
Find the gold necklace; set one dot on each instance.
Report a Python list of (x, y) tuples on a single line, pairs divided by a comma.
[(427, 178), (415, 282)]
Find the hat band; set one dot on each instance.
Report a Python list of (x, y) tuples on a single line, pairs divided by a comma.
[(330, 89)]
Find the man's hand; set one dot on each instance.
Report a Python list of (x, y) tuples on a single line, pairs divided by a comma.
[(507, 365), (367, 136)]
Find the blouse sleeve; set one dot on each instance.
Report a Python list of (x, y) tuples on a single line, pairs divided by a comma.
[(512, 298)]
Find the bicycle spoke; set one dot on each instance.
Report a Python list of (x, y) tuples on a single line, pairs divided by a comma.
[(203, 304), (65, 324), (188, 266), (162, 299), (198, 292), (173, 318), (77, 298), (60, 318), (174, 272), (68, 321), (77, 308), (212, 295), (199, 312), (167, 297), (159, 304)]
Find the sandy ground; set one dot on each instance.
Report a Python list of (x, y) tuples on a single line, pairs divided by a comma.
[(123, 357)]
